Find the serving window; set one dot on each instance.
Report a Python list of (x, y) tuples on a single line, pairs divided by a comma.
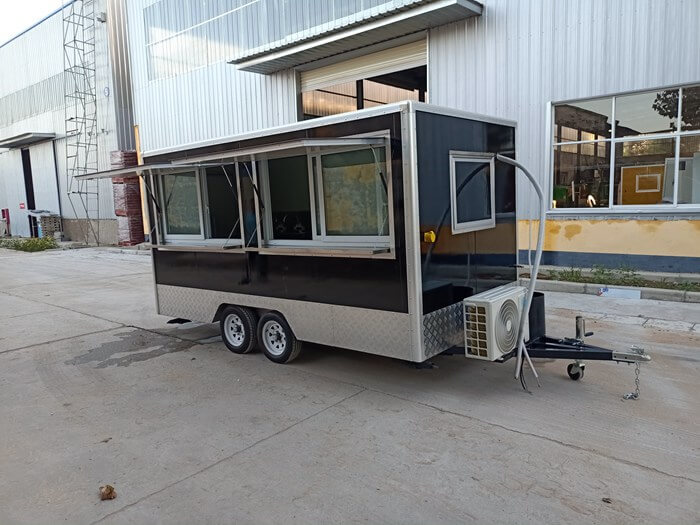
[(317, 195)]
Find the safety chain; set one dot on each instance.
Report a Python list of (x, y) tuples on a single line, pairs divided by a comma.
[(635, 394)]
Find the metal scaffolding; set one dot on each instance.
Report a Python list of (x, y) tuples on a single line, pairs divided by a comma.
[(80, 100)]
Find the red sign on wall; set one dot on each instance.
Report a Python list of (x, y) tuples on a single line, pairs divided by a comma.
[(21, 206)]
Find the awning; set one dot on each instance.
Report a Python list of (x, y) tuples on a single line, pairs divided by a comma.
[(295, 51), (25, 139), (227, 157), (137, 171), (248, 153)]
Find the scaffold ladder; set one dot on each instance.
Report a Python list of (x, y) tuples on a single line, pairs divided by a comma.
[(80, 99)]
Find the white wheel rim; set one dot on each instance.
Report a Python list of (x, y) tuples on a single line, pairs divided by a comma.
[(234, 330), (274, 338)]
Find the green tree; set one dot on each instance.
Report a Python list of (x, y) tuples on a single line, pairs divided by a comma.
[(666, 104)]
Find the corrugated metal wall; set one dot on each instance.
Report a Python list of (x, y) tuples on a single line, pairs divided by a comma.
[(31, 85), (208, 102), (184, 90), (519, 55)]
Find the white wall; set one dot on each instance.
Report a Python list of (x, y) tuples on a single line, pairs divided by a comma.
[(519, 55)]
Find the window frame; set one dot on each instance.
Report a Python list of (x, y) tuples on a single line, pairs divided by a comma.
[(473, 158), (323, 236), (315, 182), (206, 215), (203, 238), (164, 216), (612, 142)]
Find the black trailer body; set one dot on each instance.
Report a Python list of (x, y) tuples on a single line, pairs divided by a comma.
[(335, 280)]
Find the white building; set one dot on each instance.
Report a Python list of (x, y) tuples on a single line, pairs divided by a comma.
[(35, 84)]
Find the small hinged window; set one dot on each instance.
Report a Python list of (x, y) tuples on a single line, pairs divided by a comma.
[(472, 191)]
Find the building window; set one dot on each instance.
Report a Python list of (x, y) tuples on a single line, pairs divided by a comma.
[(365, 93), (628, 150), (391, 75), (472, 192)]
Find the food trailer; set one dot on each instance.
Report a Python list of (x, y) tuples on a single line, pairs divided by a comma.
[(390, 230)]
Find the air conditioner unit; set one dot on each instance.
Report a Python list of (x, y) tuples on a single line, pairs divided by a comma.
[(491, 322)]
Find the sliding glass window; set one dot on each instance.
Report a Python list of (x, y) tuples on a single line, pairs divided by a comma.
[(336, 198)]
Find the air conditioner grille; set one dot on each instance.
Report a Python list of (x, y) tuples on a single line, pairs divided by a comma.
[(507, 326), (477, 335)]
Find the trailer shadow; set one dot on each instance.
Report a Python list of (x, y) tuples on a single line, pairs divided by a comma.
[(447, 372)]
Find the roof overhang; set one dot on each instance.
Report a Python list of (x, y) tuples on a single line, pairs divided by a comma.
[(293, 52), (25, 139)]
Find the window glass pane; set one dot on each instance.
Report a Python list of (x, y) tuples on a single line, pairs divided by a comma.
[(652, 112), (355, 193), (689, 171), (592, 117), (376, 93), (581, 176), (331, 100), (245, 170), (472, 191), (181, 204), (290, 205), (690, 112), (644, 171), (222, 202)]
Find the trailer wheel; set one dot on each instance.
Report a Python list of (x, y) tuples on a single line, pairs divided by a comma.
[(238, 329), (276, 338), (575, 371)]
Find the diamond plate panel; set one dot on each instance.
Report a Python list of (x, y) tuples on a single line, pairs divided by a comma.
[(372, 331), (443, 329)]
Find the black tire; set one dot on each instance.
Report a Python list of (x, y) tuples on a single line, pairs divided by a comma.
[(238, 329), (575, 372), (276, 339)]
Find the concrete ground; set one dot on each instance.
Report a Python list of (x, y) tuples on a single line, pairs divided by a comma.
[(95, 388)]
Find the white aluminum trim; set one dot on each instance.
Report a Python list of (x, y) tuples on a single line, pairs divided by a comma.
[(412, 220)]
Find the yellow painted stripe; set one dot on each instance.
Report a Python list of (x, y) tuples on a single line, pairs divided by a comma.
[(679, 238)]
